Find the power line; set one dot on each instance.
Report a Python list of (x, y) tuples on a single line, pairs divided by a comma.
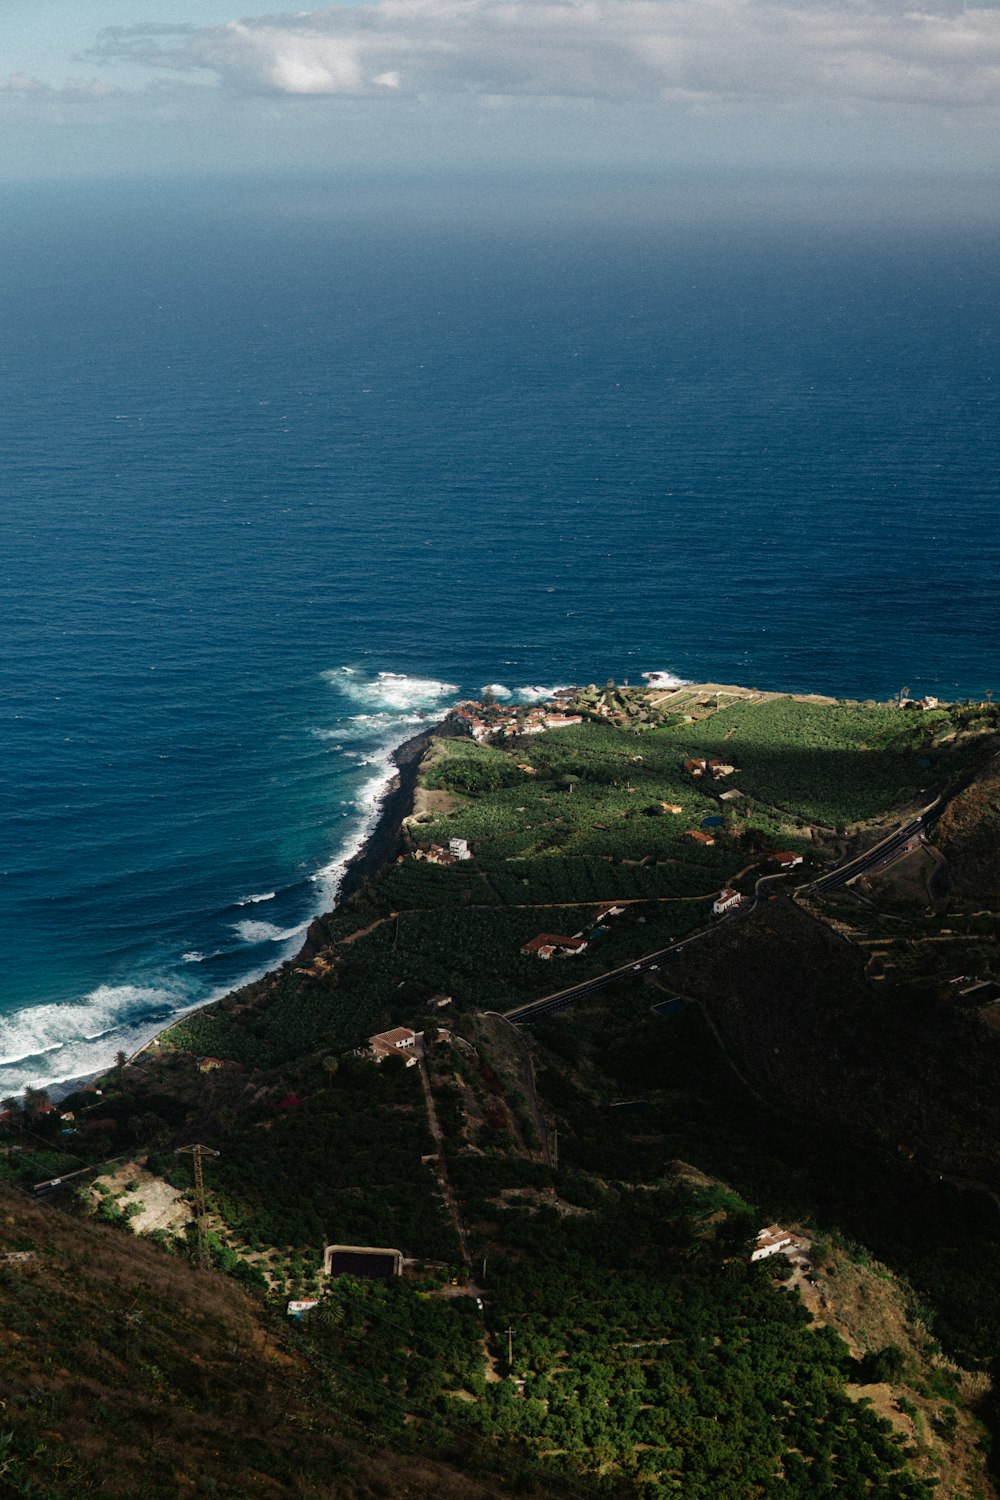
[(198, 1151)]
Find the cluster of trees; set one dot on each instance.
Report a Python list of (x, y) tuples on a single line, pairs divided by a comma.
[(472, 768), (635, 1350), (945, 1241), (415, 883), (395, 1351), (287, 1024), (586, 878), (343, 1164), (593, 803), (476, 955)]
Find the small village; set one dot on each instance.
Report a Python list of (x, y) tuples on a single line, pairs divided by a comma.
[(486, 721)]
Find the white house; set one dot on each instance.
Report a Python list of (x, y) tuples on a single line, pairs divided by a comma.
[(459, 848), (727, 900), (771, 1241), (399, 1042)]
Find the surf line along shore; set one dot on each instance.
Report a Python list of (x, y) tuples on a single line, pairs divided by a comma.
[(396, 804)]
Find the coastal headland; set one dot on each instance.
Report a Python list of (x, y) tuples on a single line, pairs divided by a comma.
[(577, 1204), (414, 787)]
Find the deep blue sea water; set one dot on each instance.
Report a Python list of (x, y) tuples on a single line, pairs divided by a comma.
[(261, 449)]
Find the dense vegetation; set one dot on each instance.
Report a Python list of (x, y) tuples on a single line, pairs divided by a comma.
[(596, 1327), (341, 1165), (638, 1351), (564, 822)]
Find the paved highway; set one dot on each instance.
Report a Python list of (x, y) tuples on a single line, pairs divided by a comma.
[(881, 855)]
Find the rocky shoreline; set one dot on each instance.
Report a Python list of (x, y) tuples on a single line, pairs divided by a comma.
[(396, 805)]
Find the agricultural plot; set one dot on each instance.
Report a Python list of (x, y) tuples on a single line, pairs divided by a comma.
[(698, 1380), (587, 823), (580, 878), (416, 884), (832, 764), (605, 801), (475, 955), (286, 1024)]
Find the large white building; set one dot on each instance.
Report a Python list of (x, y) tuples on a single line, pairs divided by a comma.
[(727, 900), (771, 1241)]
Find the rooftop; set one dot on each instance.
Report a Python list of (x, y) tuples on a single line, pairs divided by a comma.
[(399, 1036)]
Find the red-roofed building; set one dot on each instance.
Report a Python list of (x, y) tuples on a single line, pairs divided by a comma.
[(437, 854), (727, 900), (553, 945), (399, 1042)]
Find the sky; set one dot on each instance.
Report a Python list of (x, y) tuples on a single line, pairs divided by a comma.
[(862, 88)]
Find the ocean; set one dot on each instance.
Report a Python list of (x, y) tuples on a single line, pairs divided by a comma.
[(287, 469)]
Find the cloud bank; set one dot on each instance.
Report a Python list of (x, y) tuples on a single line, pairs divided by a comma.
[(689, 51), (78, 89)]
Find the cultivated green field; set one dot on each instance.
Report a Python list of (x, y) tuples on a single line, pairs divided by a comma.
[(563, 823)]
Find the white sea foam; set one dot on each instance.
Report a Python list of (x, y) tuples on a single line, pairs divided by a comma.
[(60, 1044), (497, 689), (664, 680), (369, 803), (48, 1043), (55, 1044), (392, 690), (267, 932), (394, 703)]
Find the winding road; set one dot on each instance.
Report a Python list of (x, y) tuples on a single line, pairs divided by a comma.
[(876, 858)]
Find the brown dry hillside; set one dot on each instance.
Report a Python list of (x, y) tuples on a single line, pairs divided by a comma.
[(125, 1372), (968, 835)]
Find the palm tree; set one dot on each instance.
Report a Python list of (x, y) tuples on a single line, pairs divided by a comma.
[(35, 1101)]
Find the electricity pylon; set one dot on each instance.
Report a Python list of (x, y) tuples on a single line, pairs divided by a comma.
[(198, 1152)]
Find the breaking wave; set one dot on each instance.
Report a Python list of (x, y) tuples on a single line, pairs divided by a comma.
[(267, 932), (55, 1043), (48, 1044), (664, 680), (392, 690)]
